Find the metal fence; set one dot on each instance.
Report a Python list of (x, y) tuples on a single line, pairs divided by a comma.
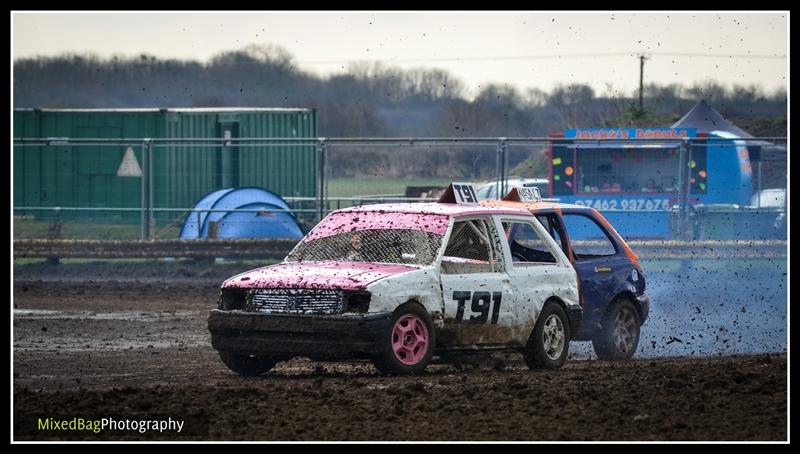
[(147, 188)]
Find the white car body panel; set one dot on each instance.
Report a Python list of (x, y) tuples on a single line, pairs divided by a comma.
[(421, 285), (464, 306)]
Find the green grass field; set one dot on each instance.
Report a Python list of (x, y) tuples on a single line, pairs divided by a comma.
[(81, 229), (352, 187)]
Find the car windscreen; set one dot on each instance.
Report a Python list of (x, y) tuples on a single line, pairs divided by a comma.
[(401, 246)]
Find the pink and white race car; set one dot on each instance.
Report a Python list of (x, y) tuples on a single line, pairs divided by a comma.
[(398, 283)]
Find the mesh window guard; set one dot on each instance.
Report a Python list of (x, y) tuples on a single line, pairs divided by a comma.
[(470, 240), (385, 246)]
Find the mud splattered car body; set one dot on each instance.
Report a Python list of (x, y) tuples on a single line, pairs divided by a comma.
[(396, 282), (612, 283)]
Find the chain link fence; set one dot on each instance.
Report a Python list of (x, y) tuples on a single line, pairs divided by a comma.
[(125, 189)]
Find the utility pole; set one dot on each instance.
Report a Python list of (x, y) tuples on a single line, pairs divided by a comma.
[(642, 58)]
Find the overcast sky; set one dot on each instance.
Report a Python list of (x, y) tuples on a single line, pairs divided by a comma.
[(524, 49)]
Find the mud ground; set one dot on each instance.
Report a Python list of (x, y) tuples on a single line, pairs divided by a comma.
[(93, 346)]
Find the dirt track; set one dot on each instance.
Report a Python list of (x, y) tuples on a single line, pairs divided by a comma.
[(142, 350)]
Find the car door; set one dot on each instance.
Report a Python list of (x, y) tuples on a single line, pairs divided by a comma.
[(596, 259), (476, 288), (538, 271)]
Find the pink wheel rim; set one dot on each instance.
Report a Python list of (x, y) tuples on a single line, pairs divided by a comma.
[(409, 339)]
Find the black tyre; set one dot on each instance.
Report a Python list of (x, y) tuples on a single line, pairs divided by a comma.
[(620, 330), (548, 345), (248, 365), (410, 342)]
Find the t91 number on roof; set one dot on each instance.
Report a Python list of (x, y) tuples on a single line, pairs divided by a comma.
[(460, 193), (465, 193)]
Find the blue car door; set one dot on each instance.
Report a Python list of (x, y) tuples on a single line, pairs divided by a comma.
[(598, 261)]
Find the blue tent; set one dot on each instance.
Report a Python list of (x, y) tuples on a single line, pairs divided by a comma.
[(265, 223), (705, 119)]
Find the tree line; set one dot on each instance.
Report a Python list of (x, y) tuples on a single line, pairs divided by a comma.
[(373, 99)]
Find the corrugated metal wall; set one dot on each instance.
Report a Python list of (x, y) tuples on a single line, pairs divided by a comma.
[(183, 174), (289, 167), (27, 162), (78, 176), (85, 176)]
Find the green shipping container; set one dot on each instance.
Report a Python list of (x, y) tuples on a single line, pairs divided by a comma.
[(87, 176)]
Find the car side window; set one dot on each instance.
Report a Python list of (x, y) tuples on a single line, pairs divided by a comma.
[(526, 244), (471, 249), (553, 227), (588, 239)]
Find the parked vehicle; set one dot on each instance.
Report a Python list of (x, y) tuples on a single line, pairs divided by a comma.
[(490, 189), (398, 283), (769, 198)]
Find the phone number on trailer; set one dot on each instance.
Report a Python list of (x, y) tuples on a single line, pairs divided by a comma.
[(628, 204)]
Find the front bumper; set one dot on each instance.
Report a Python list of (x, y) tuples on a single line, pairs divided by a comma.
[(313, 336), (644, 306)]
